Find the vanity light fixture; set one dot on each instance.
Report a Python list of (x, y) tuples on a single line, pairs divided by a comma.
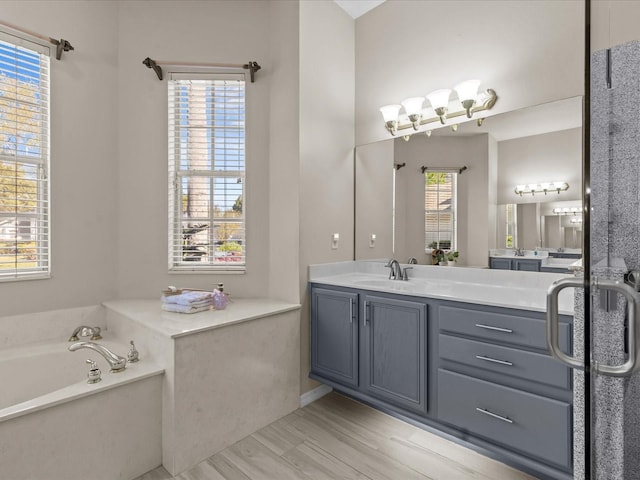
[(566, 211), (417, 113), (576, 220), (545, 188)]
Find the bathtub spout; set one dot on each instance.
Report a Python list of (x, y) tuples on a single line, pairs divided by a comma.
[(116, 362)]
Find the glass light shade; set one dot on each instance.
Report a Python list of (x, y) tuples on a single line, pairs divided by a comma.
[(467, 90), (520, 188), (439, 98), (390, 112), (559, 185), (413, 105), (545, 186)]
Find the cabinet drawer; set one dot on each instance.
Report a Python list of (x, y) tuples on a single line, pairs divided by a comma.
[(536, 367), (501, 327), (534, 425)]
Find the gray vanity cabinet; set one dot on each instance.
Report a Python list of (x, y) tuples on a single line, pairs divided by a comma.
[(500, 263), (393, 344), (522, 264), (334, 335)]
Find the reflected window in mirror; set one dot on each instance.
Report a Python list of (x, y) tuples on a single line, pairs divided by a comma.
[(440, 198)]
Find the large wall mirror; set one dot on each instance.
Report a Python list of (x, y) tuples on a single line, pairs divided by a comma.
[(527, 149)]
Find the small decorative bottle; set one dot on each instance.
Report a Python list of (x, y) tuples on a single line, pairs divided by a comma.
[(219, 298)]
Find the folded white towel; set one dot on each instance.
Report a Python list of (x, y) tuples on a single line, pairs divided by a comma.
[(187, 298), (172, 307)]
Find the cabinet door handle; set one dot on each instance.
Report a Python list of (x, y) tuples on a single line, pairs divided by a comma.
[(490, 327), (351, 310), (494, 415), (366, 312), (493, 360)]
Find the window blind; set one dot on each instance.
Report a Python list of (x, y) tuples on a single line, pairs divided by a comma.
[(24, 159), (207, 172), (440, 210)]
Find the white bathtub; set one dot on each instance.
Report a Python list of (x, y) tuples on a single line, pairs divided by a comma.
[(54, 425)]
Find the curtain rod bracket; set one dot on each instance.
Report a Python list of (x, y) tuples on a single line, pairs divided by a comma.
[(152, 64), (400, 165), (62, 45), (253, 67)]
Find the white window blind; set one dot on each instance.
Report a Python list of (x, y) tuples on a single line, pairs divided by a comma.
[(24, 159), (440, 195), (206, 172)]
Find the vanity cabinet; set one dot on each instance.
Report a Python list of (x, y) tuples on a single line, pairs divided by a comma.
[(479, 373), (394, 362), (334, 335), (522, 264)]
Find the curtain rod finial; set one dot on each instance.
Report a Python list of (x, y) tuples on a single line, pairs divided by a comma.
[(62, 45)]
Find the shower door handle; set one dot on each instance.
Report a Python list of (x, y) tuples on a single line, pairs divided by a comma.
[(632, 363)]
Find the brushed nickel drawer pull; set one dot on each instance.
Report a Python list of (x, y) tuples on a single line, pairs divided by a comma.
[(490, 327), (494, 415), (494, 360)]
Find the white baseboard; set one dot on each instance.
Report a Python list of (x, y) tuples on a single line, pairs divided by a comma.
[(313, 395)]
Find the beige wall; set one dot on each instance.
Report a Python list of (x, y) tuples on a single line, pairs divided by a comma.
[(408, 48), (614, 22), (326, 145), (84, 153), (188, 31), (374, 200), (555, 156)]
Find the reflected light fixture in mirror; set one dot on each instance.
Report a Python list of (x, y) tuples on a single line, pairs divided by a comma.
[(469, 101), (545, 188)]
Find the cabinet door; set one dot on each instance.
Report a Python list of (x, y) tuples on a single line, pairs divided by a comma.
[(526, 265), (500, 263), (334, 335), (394, 361)]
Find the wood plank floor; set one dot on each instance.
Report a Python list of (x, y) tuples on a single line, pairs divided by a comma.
[(338, 438)]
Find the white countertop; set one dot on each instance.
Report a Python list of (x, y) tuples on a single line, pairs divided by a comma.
[(499, 288), (150, 314)]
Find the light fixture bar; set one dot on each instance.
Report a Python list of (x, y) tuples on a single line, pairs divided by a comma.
[(485, 101), (545, 187)]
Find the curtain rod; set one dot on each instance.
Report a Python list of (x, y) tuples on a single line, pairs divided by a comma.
[(156, 65), (459, 170), (62, 45)]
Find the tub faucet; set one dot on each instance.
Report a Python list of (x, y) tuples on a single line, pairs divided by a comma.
[(84, 331), (116, 362), (396, 272)]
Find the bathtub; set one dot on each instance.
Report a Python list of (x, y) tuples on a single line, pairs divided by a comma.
[(54, 425)]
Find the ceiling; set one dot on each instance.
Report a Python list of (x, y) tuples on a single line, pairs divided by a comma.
[(357, 8)]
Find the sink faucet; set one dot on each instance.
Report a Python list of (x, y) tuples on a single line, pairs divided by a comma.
[(116, 362), (85, 331), (519, 252), (395, 272)]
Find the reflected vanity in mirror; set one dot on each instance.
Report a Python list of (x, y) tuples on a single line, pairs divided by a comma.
[(537, 148)]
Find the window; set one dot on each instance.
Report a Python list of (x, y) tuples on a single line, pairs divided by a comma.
[(440, 222), (24, 159), (206, 172)]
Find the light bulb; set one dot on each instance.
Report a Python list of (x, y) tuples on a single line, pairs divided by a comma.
[(439, 101), (467, 92), (390, 116), (413, 108)]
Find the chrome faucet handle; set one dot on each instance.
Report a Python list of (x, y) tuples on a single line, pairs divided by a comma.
[(133, 354), (412, 261), (94, 332), (94, 375), (405, 274)]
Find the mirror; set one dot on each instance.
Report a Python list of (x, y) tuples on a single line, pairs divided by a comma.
[(535, 145)]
